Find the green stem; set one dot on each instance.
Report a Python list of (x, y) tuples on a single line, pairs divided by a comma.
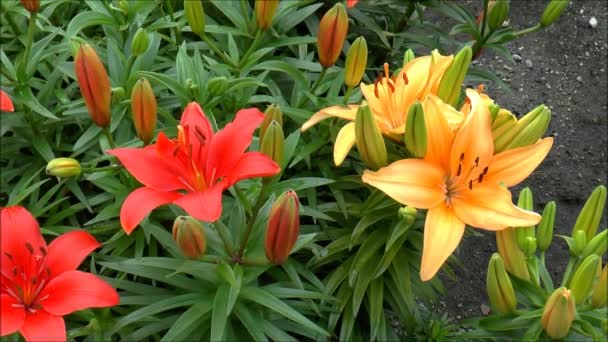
[(254, 215), (542, 258), (100, 169), (313, 88), (217, 51), (178, 33), (252, 48), (221, 229), (108, 134), (486, 4), (569, 268), (349, 91), (255, 262), (29, 40), (532, 29)]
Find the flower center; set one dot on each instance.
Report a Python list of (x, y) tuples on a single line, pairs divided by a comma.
[(26, 281), (464, 180), (190, 158), (384, 90)]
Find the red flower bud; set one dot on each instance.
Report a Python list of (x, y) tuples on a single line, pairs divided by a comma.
[(94, 84), (189, 236), (264, 12), (283, 227), (31, 5), (143, 105), (332, 33)]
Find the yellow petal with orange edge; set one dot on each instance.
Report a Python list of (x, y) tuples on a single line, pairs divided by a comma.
[(513, 166), (442, 234), (347, 113), (417, 72), (412, 182), (489, 206), (473, 145), (344, 142), (439, 135), (439, 65)]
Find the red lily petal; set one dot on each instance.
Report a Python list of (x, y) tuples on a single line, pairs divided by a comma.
[(199, 129), (351, 3), (140, 203), (253, 164), (68, 251), (205, 206), (42, 326), (6, 105), (11, 317), (77, 290), (149, 168), (18, 229), (229, 144)]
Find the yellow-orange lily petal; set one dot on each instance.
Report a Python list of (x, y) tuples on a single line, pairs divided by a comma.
[(347, 113), (442, 234), (344, 142), (513, 166), (412, 181), (439, 65), (439, 134)]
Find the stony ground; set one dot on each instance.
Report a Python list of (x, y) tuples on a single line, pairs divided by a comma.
[(563, 67)]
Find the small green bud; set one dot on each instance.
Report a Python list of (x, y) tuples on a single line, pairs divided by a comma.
[(140, 42), (498, 14), (589, 218), (368, 137), (553, 11), (597, 245), (272, 143), (195, 15), (63, 167), (356, 61), (408, 56), (579, 241), (453, 79), (272, 113), (415, 131), (582, 280), (408, 214), (499, 287), (525, 201), (529, 246), (529, 128), (545, 227), (217, 85)]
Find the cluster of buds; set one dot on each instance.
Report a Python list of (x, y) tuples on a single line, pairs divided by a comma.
[(283, 227), (264, 13), (332, 33), (271, 134), (94, 84), (189, 235)]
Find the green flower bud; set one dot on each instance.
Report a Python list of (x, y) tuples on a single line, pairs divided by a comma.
[(368, 137), (494, 110), (582, 280), (589, 218), (408, 56), (598, 245), (63, 167), (451, 83), (195, 15), (356, 61), (415, 131), (272, 143), (498, 14), (503, 129), (579, 241), (525, 201), (408, 214), (529, 128), (140, 42), (545, 227), (272, 113), (559, 312), (553, 11), (599, 298), (217, 85), (190, 238), (514, 259), (499, 287), (529, 246)]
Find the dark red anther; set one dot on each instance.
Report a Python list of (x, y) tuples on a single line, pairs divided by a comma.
[(198, 133), (34, 280), (459, 170), (481, 88), (485, 170), (376, 89), (477, 161), (10, 257), (405, 78), (470, 185), (43, 252), (29, 247), (391, 86), (461, 156), (480, 178)]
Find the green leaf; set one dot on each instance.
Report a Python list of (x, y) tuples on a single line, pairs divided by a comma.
[(376, 301), (251, 322), (84, 20), (30, 101), (43, 148), (297, 184), (220, 312), (187, 322), (277, 65)]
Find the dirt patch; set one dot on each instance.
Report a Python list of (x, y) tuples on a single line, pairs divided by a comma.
[(563, 67)]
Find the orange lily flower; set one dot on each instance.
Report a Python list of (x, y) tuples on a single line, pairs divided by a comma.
[(389, 98), (460, 180)]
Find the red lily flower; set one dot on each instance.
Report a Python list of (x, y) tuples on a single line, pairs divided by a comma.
[(351, 3), (6, 105), (194, 170), (39, 284)]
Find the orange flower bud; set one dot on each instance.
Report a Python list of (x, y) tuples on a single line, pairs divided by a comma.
[(31, 5), (332, 33), (94, 84), (283, 227), (264, 12), (143, 105), (189, 236)]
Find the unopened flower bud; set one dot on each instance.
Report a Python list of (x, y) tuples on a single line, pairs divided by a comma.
[(272, 113), (453, 79), (525, 201), (195, 16), (31, 5), (499, 287), (559, 312), (190, 238), (528, 129), (368, 137), (217, 85), (332, 33), (264, 12), (356, 61), (408, 214), (118, 93), (272, 143), (582, 280), (140, 42), (529, 246), (408, 56), (545, 227), (579, 242), (513, 257), (498, 13), (415, 131), (553, 11), (283, 227), (94, 84), (503, 129), (143, 105), (63, 167), (589, 218), (598, 245), (599, 299), (494, 110)]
